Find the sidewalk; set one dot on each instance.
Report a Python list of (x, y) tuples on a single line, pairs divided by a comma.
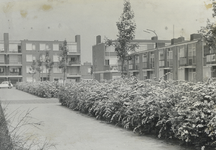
[(70, 130)]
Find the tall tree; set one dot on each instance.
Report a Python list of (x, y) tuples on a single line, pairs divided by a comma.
[(209, 31), (48, 64), (39, 67), (63, 58), (126, 33), (33, 69)]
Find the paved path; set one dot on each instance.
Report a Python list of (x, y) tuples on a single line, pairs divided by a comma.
[(70, 130)]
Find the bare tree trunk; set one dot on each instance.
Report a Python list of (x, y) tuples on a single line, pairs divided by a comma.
[(39, 76), (122, 68)]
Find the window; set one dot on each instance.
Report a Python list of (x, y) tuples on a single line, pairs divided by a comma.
[(73, 59), (142, 48), (55, 58), (210, 58), (144, 56), (130, 66), (107, 62), (181, 51), (14, 70), (145, 73), (57, 70), (13, 47), (192, 49), (72, 48), (30, 58), (47, 47), (14, 59), (1, 47), (89, 70), (2, 61), (29, 46), (161, 63), (113, 61), (44, 70), (152, 60), (1, 70), (56, 47), (161, 55), (169, 54), (42, 47), (110, 49), (42, 57), (136, 59), (28, 69)]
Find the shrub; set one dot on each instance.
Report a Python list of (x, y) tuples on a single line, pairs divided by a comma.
[(44, 89), (168, 109)]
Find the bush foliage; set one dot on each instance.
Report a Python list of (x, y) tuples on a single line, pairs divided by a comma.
[(167, 109), (44, 89)]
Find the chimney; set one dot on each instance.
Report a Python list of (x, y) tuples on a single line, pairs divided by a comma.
[(181, 39), (154, 38), (174, 41), (178, 40), (98, 39), (6, 41), (195, 36)]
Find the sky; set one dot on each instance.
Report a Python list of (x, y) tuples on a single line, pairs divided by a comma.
[(63, 19)]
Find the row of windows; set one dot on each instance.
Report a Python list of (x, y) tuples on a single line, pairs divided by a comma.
[(44, 70), (56, 47), (12, 47), (12, 70), (56, 58)]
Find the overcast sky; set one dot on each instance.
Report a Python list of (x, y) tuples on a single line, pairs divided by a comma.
[(63, 19)]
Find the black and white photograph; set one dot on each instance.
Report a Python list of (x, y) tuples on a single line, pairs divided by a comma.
[(108, 75)]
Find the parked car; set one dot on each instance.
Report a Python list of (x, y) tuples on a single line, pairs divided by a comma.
[(6, 84)]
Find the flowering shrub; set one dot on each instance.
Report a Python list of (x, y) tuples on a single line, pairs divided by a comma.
[(167, 109), (42, 89)]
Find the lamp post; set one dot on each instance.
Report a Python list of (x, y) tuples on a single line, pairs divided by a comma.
[(153, 31), (156, 54)]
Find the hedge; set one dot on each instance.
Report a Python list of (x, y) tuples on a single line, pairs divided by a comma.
[(168, 109)]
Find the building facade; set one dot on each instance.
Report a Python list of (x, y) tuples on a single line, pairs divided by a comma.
[(105, 62), (16, 58), (180, 60)]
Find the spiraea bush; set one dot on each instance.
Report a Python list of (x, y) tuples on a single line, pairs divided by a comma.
[(44, 89), (167, 109)]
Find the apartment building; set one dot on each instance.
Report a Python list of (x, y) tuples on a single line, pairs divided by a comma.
[(182, 60), (16, 58), (10, 60), (105, 62)]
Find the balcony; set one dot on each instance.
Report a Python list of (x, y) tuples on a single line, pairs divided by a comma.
[(74, 63), (15, 74), (110, 54), (14, 52), (73, 53), (3, 64), (109, 67), (2, 74), (74, 75), (210, 59), (12, 63)]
